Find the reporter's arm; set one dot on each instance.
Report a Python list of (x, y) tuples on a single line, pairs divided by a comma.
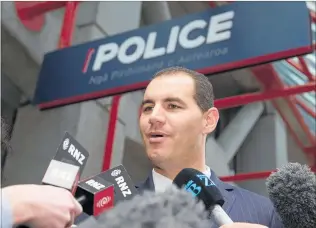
[(41, 206), (6, 212)]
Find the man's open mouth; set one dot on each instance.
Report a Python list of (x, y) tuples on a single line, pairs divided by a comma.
[(155, 136)]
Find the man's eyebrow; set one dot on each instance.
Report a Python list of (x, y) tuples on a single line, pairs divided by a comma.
[(168, 99), (174, 99), (147, 101)]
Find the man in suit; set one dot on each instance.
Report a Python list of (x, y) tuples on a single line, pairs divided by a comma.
[(177, 114)]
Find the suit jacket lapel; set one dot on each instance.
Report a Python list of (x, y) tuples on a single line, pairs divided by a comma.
[(226, 190), (148, 184), (228, 195)]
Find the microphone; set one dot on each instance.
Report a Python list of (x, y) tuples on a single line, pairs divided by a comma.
[(200, 186), (68, 164), (174, 208), (292, 190), (66, 167), (72, 152), (124, 187), (63, 175), (95, 195), (119, 179)]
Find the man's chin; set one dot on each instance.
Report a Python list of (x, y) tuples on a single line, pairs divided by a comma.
[(155, 155)]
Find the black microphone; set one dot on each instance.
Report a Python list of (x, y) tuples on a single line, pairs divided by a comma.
[(72, 152), (174, 208), (95, 195), (124, 187), (203, 188), (63, 175), (292, 190), (66, 167), (117, 178)]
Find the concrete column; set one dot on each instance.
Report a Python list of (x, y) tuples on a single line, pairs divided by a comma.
[(216, 158), (265, 148), (37, 134), (155, 12), (238, 129)]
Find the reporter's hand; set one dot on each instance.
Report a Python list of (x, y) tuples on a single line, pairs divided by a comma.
[(42, 206), (243, 225)]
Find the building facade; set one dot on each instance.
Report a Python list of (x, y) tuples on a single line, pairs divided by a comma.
[(250, 138)]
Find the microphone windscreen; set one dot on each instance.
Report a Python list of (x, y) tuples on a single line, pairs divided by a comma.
[(90, 222), (292, 189), (174, 208)]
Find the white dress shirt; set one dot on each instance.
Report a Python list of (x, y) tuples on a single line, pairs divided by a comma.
[(162, 183)]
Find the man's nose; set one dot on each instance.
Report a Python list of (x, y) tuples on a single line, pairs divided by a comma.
[(157, 116)]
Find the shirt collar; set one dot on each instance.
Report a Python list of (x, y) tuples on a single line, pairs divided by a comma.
[(161, 182)]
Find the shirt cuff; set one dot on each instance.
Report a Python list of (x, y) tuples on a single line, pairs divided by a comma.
[(6, 212)]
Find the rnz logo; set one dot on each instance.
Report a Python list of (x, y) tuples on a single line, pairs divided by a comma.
[(73, 151), (104, 201), (115, 173)]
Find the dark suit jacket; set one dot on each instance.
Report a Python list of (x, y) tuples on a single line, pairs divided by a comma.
[(241, 205)]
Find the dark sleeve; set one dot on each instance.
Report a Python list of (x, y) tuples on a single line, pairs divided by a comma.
[(276, 221)]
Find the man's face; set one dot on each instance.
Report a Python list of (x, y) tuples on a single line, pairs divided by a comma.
[(172, 125)]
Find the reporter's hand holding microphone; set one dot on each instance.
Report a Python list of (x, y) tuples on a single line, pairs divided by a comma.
[(41, 206), (52, 204)]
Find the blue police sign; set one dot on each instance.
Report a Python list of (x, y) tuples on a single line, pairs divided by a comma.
[(237, 35)]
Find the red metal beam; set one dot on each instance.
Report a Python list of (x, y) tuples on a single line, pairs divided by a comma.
[(273, 82), (305, 69), (309, 111), (289, 126), (248, 176), (313, 16), (39, 8), (300, 68), (212, 4), (234, 101), (108, 149), (299, 116), (68, 27), (310, 150)]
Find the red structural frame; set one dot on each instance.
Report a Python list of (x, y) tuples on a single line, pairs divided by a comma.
[(272, 85)]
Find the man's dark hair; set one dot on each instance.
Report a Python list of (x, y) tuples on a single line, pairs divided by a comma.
[(204, 95)]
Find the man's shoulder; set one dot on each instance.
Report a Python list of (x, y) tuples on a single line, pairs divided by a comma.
[(248, 196), (257, 208)]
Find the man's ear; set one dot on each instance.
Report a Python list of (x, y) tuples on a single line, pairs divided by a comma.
[(211, 120)]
